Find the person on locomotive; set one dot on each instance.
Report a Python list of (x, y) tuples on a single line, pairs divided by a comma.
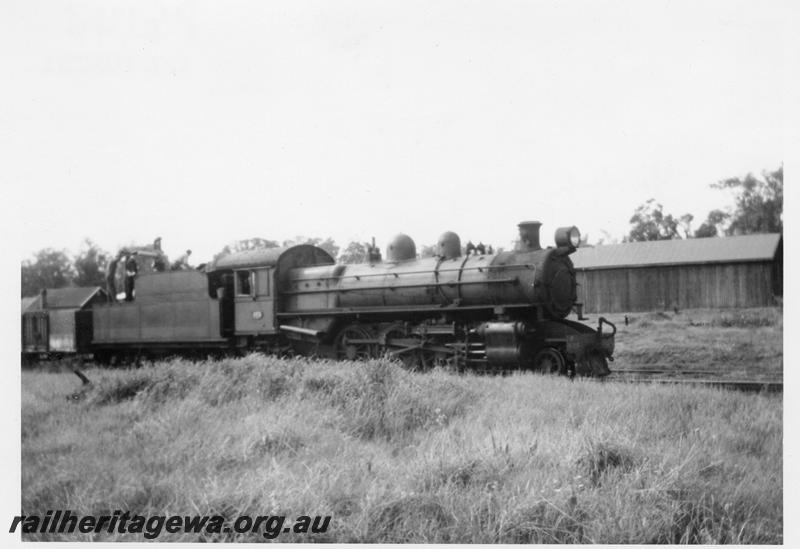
[(159, 265), (182, 262), (111, 278), (131, 270)]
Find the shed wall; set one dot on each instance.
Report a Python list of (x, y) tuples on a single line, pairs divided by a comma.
[(682, 286)]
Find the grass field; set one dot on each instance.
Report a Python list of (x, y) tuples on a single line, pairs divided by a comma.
[(736, 344), (396, 456)]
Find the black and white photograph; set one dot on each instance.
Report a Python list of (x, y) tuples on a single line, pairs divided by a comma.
[(384, 272)]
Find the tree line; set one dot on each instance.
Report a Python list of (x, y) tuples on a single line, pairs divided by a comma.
[(51, 268), (758, 208)]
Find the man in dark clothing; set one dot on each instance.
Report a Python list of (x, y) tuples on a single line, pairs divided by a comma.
[(131, 269), (111, 280)]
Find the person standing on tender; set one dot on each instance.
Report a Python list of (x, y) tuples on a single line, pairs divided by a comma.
[(131, 270)]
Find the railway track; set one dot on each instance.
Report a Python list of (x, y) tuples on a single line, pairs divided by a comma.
[(702, 378), (661, 374)]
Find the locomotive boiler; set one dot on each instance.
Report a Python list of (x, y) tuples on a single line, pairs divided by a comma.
[(488, 311), (493, 311)]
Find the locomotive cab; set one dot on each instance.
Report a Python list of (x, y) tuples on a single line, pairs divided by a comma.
[(254, 303), (246, 299), (252, 282)]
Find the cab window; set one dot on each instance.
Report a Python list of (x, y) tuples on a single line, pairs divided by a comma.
[(244, 283)]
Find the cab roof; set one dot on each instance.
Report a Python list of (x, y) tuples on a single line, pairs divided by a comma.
[(304, 255)]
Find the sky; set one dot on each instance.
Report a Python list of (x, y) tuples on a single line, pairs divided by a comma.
[(204, 123)]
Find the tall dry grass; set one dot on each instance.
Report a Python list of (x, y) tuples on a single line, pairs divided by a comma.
[(396, 456)]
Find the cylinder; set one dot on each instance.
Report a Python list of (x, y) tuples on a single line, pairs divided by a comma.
[(503, 342)]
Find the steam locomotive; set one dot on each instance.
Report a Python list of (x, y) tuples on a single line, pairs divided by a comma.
[(480, 311)]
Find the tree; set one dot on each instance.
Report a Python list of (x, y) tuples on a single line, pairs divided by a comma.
[(606, 239), (650, 223), (327, 244), (427, 251), (49, 269), (759, 203), (685, 224), (355, 252), (255, 243), (90, 265), (712, 226)]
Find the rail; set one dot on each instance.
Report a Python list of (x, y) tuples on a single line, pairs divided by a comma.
[(708, 378)]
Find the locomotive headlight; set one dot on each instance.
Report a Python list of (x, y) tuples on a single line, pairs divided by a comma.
[(575, 237), (568, 237)]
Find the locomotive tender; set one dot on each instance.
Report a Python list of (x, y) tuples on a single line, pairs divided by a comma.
[(480, 311)]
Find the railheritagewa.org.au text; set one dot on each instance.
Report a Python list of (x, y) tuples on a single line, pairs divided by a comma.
[(151, 527)]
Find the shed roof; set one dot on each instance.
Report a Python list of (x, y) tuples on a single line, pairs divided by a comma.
[(64, 298), (730, 249)]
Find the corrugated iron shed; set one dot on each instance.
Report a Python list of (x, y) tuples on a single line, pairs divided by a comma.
[(64, 298), (29, 303), (730, 249)]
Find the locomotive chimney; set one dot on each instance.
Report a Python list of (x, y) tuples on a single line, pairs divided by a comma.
[(529, 236)]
